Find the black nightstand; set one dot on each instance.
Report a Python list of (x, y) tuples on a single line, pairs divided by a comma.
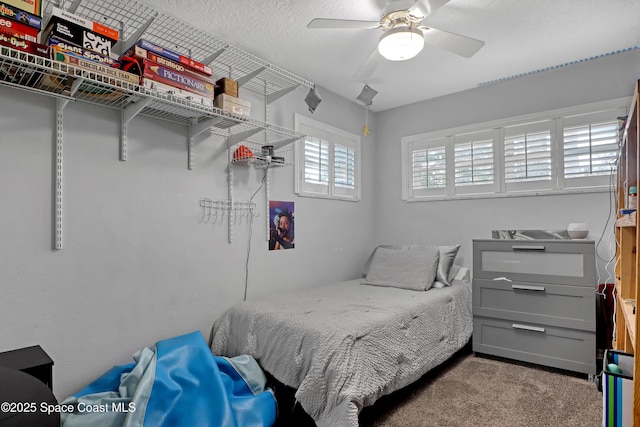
[(31, 360)]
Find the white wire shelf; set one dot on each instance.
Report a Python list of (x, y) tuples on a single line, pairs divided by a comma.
[(260, 162), (136, 20), (26, 71)]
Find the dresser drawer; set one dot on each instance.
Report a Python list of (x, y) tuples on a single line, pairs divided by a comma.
[(568, 349), (555, 305), (540, 261)]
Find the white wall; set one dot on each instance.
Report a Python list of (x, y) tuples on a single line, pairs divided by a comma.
[(137, 264), (460, 221)]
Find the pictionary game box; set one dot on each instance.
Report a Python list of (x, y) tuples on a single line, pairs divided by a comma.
[(154, 71)]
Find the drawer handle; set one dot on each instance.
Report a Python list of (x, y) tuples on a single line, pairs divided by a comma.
[(528, 247), (502, 279), (528, 288), (527, 328)]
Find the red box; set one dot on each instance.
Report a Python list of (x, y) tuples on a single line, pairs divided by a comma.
[(156, 72), (16, 29)]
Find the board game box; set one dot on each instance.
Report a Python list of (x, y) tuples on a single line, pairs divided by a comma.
[(178, 93), (174, 56), (141, 54), (156, 72), (61, 46), (32, 6), (80, 32), (86, 64), (10, 28), (11, 12), (95, 27)]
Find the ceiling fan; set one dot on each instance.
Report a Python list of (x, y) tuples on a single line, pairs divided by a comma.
[(404, 33)]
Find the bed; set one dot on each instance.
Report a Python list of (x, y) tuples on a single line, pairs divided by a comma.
[(344, 345)]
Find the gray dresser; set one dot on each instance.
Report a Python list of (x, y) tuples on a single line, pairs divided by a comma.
[(534, 301)]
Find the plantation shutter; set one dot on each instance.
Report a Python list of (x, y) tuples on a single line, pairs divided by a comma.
[(316, 161), (590, 149), (528, 157)]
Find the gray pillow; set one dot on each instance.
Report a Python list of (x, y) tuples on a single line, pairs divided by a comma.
[(414, 270), (446, 258)]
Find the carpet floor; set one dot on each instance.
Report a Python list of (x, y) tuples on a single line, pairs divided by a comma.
[(485, 392)]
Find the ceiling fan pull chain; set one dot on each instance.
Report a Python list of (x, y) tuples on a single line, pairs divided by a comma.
[(365, 130)]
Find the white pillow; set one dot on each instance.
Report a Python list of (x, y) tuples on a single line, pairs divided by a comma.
[(414, 270)]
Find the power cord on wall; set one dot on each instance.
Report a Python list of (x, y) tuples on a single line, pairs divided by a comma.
[(612, 209), (246, 265)]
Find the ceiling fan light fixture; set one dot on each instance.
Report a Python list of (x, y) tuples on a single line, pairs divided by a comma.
[(401, 43)]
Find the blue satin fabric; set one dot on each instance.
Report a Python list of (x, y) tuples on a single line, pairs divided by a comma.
[(180, 383)]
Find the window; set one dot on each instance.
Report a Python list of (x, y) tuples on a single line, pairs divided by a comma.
[(527, 157), (474, 162), (429, 168), (428, 160), (589, 148), (564, 150), (327, 161)]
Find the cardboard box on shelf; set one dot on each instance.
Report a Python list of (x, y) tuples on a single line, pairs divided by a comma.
[(16, 14), (233, 104), (227, 86)]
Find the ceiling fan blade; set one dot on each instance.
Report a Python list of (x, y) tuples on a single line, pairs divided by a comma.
[(424, 8), (460, 45), (369, 66), (341, 23)]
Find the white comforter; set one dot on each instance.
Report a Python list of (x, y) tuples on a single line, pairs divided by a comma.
[(344, 345)]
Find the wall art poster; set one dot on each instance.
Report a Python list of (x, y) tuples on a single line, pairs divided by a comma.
[(281, 225)]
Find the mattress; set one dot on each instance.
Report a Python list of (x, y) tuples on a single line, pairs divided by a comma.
[(344, 345)]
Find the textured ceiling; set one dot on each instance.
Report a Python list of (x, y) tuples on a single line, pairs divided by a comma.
[(521, 36)]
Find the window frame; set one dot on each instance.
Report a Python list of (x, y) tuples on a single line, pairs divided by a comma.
[(333, 137), (554, 121)]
